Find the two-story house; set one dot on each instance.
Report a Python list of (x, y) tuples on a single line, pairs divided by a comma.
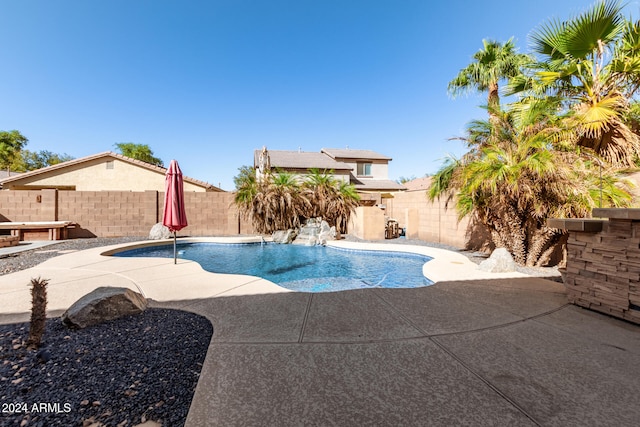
[(367, 170)]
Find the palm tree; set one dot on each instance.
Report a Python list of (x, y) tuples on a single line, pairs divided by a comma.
[(344, 205), (514, 178), (279, 201), (273, 203), (279, 204), (493, 63), (321, 189), (592, 63), (331, 199)]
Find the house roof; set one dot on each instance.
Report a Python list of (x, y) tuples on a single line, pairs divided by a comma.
[(377, 185), (418, 184), (106, 154), (348, 153), (8, 174), (300, 160)]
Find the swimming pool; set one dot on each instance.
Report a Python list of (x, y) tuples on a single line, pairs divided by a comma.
[(302, 268)]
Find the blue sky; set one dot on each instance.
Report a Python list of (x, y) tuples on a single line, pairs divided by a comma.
[(207, 82)]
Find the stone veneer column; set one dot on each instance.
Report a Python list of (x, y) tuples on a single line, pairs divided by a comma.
[(603, 262)]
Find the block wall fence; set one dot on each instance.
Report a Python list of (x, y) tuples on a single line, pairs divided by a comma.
[(436, 221), (121, 213), (131, 213)]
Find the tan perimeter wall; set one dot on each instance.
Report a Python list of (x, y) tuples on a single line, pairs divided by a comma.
[(434, 222), (133, 213), (121, 213)]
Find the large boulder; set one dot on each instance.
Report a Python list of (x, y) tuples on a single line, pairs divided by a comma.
[(284, 236), (500, 261), (159, 232), (104, 304)]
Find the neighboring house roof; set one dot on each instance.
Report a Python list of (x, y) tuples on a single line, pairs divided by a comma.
[(300, 160), (348, 153), (106, 154), (418, 184), (7, 174), (377, 185)]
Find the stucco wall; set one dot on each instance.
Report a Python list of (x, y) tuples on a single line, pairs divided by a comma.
[(379, 168), (95, 176), (300, 175), (367, 222)]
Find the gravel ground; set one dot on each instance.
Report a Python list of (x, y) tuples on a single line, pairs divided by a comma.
[(27, 259), (121, 373)]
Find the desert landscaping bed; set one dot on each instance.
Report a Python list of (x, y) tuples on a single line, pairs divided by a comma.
[(121, 373)]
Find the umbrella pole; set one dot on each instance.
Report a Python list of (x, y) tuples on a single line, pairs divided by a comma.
[(175, 259)]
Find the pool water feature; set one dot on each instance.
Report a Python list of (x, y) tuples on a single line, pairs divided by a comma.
[(302, 268)]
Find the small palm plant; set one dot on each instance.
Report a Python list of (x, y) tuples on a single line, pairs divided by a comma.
[(38, 312)]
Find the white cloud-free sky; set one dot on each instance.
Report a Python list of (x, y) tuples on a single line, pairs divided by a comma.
[(207, 82)]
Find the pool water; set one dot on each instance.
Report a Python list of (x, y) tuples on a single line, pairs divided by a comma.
[(302, 268)]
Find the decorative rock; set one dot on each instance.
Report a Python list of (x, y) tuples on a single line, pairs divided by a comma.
[(326, 233), (284, 236), (500, 261), (103, 304), (159, 232), (315, 232)]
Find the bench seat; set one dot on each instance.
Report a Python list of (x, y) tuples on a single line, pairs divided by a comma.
[(38, 230)]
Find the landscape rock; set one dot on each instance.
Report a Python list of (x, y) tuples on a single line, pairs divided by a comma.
[(284, 236), (159, 232), (316, 231), (326, 233), (104, 304), (500, 261)]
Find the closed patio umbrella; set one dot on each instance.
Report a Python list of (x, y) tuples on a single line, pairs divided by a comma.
[(174, 216)]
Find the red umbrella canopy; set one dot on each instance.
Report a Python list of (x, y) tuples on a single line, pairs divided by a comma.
[(174, 216)]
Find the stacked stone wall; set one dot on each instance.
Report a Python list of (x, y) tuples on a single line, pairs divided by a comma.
[(603, 268)]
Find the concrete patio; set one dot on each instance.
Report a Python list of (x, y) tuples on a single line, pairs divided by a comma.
[(470, 350)]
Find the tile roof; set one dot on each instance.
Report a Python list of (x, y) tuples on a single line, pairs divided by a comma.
[(348, 153), (300, 160)]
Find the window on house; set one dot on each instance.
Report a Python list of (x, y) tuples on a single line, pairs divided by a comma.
[(109, 164), (364, 169)]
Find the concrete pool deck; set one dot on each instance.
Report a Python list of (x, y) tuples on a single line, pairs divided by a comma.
[(473, 349)]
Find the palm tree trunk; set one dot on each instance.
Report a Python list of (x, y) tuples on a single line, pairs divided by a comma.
[(540, 240), (493, 101), (518, 239)]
